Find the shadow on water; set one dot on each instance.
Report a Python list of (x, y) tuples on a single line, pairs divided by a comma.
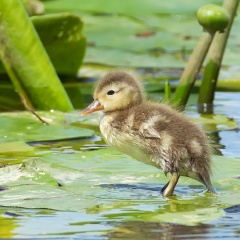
[(156, 188), (148, 187)]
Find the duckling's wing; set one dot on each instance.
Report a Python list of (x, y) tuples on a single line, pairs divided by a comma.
[(148, 127), (150, 132)]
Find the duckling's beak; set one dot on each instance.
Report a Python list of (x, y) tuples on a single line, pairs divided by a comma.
[(93, 107)]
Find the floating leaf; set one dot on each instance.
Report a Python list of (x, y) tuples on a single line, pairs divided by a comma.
[(115, 184), (127, 7), (161, 18), (126, 58), (166, 37), (16, 149), (27, 128), (216, 122)]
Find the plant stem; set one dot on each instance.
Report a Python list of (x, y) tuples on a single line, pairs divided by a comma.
[(216, 51), (192, 69), (167, 91), (30, 109)]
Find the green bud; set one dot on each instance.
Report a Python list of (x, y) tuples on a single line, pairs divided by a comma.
[(213, 18)]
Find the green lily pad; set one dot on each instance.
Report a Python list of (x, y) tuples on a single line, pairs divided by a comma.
[(14, 152), (216, 122), (144, 31), (16, 148), (127, 7), (141, 35), (115, 57), (26, 127), (108, 184)]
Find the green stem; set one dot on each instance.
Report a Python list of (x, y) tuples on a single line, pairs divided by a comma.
[(192, 68), (167, 91), (26, 60), (216, 51)]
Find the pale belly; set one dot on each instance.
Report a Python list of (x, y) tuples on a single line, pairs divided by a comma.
[(128, 144), (135, 147)]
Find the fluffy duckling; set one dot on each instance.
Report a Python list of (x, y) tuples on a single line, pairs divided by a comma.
[(153, 133)]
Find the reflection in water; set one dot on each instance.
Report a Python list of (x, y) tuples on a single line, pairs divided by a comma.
[(225, 227), (215, 142), (56, 224), (155, 230), (226, 141), (231, 141), (70, 146)]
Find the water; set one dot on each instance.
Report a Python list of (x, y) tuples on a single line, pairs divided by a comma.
[(40, 223)]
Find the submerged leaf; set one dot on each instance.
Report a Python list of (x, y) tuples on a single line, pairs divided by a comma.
[(19, 148)]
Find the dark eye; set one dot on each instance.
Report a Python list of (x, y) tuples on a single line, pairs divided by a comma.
[(110, 92)]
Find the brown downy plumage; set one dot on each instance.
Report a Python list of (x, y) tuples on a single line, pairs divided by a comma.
[(152, 133)]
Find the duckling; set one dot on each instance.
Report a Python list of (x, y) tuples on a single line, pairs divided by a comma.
[(153, 133)]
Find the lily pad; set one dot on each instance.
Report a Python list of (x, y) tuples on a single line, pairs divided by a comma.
[(16, 149), (127, 7), (216, 122), (137, 35), (144, 33), (112, 186), (115, 57), (25, 127)]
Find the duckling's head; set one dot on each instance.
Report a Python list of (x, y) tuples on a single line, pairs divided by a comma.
[(115, 91)]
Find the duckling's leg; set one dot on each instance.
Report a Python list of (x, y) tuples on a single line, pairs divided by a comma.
[(168, 189)]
